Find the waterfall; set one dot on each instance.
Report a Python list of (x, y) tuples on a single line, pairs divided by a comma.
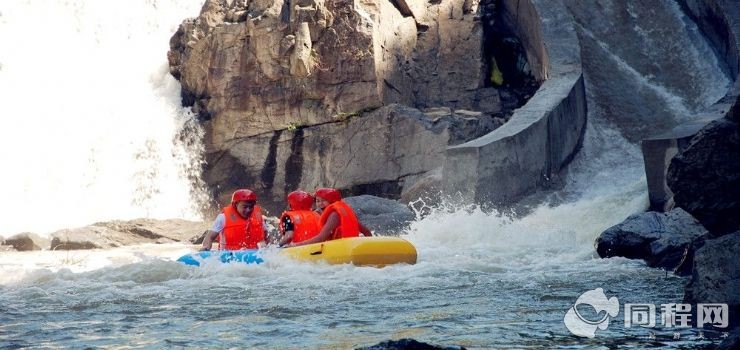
[(93, 128)]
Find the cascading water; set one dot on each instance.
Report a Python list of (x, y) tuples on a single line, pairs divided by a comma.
[(91, 115), (648, 67), (482, 280)]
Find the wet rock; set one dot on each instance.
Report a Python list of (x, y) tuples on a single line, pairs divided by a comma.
[(661, 239), (27, 241), (427, 187), (732, 342), (705, 177), (381, 215), (160, 231), (716, 275), (120, 233), (91, 237), (407, 344)]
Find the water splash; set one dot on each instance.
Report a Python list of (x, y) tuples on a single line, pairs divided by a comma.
[(93, 128)]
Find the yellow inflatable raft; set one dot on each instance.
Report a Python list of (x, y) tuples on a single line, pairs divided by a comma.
[(361, 251)]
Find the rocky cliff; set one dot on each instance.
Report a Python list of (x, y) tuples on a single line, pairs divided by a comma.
[(364, 95), (281, 85)]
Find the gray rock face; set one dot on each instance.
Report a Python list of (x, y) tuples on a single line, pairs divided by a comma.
[(661, 239), (716, 275), (391, 145), (705, 177), (380, 215)]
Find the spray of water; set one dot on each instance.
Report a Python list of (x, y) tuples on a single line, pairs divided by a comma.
[(92, 124)]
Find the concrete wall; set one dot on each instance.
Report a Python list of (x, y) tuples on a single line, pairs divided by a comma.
[(544, 134), (719, 20)]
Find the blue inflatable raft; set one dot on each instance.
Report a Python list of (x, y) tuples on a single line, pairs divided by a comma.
[(224, 256), (361, 251)]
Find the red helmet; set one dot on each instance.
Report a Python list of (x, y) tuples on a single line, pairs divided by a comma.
[(331, 195), (243, 195), (300, 200)]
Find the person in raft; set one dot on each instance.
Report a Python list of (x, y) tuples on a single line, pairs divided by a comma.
[(299, 222), (239, 226), (338, 220)]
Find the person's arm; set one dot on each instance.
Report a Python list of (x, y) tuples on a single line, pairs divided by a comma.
[(287, 238), (286, 227), (218, 226), (364, 230), (332, 222), (208, 240), (266, 229)]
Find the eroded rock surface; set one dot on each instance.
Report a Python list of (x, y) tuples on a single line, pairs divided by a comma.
[(297, 94)]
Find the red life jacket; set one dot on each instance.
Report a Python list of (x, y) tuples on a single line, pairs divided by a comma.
[(240, 233), (305, 224), (349, 226)]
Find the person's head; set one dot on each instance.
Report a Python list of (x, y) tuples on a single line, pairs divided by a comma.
[(243, 201), (300, 200), (326, 196)]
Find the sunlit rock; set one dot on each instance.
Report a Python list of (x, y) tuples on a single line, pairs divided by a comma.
[(121, 233), (290, 72)]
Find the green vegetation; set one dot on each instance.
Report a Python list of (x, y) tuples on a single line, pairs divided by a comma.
[(293, 126), (344, 116)]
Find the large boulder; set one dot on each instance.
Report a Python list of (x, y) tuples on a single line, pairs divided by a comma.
[(661, 239), (705, 177), (381, 215), (716, 275), (91, 237), (158, 231), (27, 241), (406, 344), (121, 233)]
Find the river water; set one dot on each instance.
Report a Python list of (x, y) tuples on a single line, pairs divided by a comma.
[(482, 280)]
